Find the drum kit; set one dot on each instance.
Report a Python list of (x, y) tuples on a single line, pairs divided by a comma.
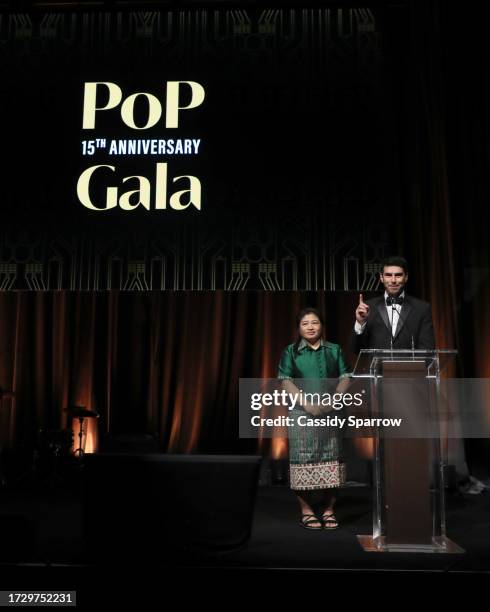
[(60, 442), (55, 450), (53, 447)]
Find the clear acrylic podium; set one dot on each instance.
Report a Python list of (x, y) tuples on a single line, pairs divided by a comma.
[(408, 488)]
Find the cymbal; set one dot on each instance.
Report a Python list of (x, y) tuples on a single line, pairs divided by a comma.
[(81, 412)]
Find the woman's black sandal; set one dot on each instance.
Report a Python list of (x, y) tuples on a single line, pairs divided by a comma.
[(329, 520), (307, 519)]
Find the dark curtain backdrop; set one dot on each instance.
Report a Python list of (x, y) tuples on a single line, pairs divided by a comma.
[(437, 58), (437, 61), (165, 363), (422, 210), (443, 127)]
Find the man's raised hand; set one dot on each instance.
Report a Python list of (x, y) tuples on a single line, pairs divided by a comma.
[(362, 311)]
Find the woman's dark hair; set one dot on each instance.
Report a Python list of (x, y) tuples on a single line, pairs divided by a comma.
[(302, 313)]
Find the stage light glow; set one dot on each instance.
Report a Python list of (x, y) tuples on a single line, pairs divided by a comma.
[(90, 436)]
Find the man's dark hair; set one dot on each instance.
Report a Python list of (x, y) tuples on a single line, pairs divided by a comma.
[(395, 260)]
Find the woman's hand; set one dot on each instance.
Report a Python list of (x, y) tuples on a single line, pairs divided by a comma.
[(314, 409)]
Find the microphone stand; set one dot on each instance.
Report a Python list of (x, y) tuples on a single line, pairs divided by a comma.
[(391, 335)]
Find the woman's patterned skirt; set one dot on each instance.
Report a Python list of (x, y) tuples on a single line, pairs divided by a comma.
[(315, 455)]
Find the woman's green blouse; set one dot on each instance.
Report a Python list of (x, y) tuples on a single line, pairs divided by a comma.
[(327, 361)]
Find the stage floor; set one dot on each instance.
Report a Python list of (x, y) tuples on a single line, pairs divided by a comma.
[(44, 527)]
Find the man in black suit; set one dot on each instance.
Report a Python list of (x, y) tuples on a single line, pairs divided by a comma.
[(395, 320)]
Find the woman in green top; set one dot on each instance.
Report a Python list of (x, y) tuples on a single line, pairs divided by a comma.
[(315, 453)]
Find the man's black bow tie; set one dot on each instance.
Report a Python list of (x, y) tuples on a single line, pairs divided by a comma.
[(394, 300)]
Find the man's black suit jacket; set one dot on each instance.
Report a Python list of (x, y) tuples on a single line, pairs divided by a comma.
[(415, 322)]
